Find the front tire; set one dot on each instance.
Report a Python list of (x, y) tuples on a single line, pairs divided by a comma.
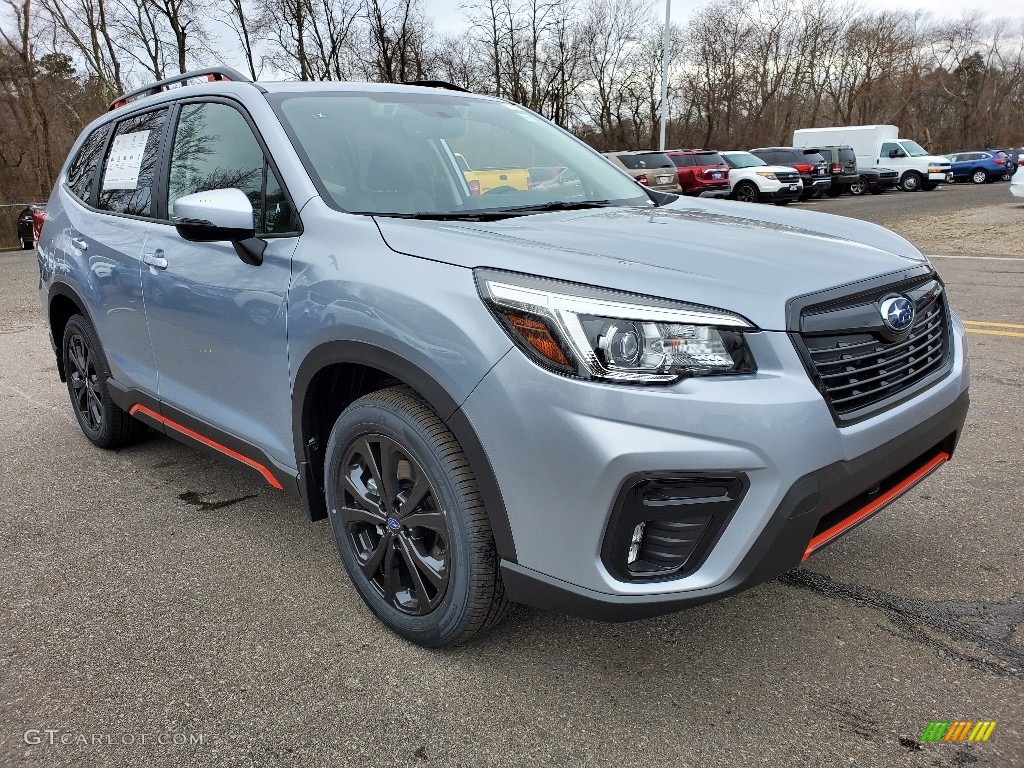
[(928, 186), (86, 370), (409, 522), (911, 182), (747, 193), (859, 187)]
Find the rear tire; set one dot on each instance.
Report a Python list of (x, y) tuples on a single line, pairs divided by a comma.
[(409, 522), (979, 176), (911, 181), (783, 202), (836, 190), (27, 245), (86, 370)]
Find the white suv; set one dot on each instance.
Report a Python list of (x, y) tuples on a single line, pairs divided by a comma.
[(752, 180)]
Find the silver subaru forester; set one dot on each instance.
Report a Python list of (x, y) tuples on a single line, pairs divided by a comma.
[(575, 393)]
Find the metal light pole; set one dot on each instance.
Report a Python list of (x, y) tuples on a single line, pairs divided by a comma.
[(664, 77)]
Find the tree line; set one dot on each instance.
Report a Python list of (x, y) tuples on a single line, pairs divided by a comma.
[(743, 73)]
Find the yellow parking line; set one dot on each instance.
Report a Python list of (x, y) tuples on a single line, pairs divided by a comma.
[(997, 325), (995, 333)]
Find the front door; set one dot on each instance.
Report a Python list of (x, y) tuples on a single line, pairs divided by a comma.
[(218, 324)]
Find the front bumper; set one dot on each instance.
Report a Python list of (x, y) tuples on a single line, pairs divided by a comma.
[(561, 449)]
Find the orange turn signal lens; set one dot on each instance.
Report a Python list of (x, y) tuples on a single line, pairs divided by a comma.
[(538, 336)]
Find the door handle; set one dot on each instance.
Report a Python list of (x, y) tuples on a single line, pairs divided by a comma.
[(79, 243), (155, 259)]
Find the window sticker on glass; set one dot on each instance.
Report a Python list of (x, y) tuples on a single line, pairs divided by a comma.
[(125, 160)]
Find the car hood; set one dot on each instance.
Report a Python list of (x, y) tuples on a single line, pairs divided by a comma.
[(745, 258)]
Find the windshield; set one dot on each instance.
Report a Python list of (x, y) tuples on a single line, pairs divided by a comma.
[(445, 156), (913, 148), (742, 160)]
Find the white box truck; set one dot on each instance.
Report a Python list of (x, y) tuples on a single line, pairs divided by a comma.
[(880, 145)]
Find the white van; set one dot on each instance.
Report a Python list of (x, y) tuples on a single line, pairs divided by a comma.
[(881, 145)]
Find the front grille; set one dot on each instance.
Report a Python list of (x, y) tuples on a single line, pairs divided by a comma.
[(787, 177), (864, 367)]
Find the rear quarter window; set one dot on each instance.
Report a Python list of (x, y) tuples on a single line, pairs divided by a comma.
[(846, 153), (83, 168)]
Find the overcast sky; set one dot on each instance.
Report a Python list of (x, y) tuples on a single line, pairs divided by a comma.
[(448, 18)]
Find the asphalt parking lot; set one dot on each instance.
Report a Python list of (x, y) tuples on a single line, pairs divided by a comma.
[(156, 591)]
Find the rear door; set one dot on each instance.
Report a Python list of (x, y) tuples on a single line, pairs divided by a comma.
[(109, 231), (218, 324)]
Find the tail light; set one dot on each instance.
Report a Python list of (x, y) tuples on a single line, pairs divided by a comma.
[(804, 167), (642, 178), (38, 217), (474, 187), (999, 160), (837, 168)]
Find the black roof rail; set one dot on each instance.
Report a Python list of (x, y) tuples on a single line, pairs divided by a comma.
[(209, 74), (437, 84)]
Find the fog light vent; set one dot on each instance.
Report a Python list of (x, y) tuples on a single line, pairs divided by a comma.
[(668, 544), (663, 524)]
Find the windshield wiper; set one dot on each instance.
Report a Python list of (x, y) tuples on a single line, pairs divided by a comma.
[(493, 214), (556, 205)]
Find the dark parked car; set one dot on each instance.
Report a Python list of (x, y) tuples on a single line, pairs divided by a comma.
[(874, 180), (1013, 156), (978, 165), (842, 161), (28, 231), (702, 172), (813, 168)]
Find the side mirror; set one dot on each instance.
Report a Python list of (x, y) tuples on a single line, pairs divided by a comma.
[(218, 215)]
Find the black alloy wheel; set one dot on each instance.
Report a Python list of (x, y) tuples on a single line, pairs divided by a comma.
[(395, 524), (409, 521), (86, 372), (746, 192), (84, 382)]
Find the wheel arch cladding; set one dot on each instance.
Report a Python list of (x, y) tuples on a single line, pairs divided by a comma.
[(337, 373), (63, 304)]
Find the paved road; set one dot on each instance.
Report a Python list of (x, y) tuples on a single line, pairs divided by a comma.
[(155, 591), (894, 206)]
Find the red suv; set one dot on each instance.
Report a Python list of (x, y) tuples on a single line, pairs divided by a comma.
[(702, 172)]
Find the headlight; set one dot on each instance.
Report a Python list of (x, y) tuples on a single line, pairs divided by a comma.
[(595, 333), (767, 175)]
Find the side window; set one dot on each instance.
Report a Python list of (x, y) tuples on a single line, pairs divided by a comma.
[(130, 165), (83, 167), (214, 148), (887, 147)]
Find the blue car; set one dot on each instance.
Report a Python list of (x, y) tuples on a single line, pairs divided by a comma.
[(979, 165)]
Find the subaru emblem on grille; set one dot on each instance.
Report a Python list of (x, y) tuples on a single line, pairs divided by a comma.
[(897, 313)]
